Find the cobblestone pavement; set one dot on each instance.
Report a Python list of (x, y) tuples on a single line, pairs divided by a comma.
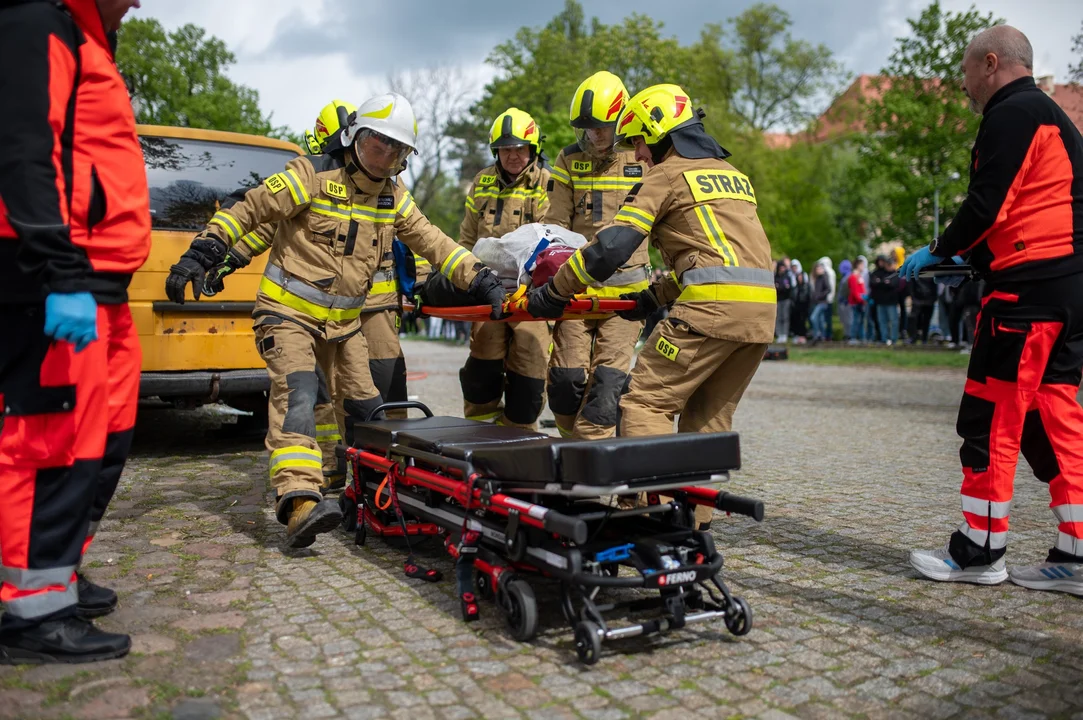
[(856, 466)]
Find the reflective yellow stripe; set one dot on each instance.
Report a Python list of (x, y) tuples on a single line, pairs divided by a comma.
[(470, 204), (613, 292), (294, 456), (419, 261), (227, 223), (297, 190), (367, 213), (301, 305), (635, 216), (406, 205), (728, 293), (561, 175), (580, 270), (714, 233), (452, 261), (588, 182), (255, 242), (485, 417), (327, 432), (510, 192), (382, 288), (330, 209)]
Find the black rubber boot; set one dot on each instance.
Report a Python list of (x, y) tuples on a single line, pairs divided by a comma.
[(69, 640), (94, 600)]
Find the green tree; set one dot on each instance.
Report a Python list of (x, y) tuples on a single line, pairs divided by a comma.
[(178, 78), (921, 129), (1075, 72)]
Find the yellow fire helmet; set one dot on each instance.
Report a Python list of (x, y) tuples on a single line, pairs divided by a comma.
[(596, 105), (331, 119), (653, 114), (514, 128)]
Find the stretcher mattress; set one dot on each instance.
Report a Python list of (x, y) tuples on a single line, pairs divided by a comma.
[(531, 460)]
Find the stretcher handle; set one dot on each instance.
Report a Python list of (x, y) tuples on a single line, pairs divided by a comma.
[(566, 526), (466, 469), (728, 502), (936, 271), (399, 405)]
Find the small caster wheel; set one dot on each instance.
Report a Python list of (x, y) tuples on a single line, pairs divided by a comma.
[(349, 513), (739, 619), (483, 585), (520, 610), (359, 536), (588, 642)]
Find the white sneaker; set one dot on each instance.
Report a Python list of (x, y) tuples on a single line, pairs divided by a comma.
[(1065, 577), (938, 565)]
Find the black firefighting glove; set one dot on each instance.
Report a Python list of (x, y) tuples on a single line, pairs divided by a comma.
[(205, 252), (214, 282), (646, 303), (486, 289), (546, 302)]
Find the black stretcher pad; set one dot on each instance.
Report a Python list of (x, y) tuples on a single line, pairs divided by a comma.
[(529, 458)]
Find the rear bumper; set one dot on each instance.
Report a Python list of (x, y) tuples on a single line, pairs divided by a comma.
[(206, 385)]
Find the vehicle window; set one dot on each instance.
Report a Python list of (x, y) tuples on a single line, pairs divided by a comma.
[(189, 178)]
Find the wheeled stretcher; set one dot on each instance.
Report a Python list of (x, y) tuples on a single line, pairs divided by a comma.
[(514, 506)]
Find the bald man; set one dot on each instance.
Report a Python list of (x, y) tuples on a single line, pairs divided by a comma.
[(1021, 226)]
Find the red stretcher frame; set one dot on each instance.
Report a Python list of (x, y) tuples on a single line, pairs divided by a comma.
[(581, 308)]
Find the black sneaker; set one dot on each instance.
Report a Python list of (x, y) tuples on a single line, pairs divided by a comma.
[(94, 600), (70, 640)]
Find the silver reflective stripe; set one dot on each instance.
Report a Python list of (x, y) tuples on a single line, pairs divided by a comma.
[(625, 277), (727, 274), (93, 530), (25, 579), (312, 455), (985, 508), (1071, 545), (996, 540), (43, 603), (1068, 513), (307, 292)]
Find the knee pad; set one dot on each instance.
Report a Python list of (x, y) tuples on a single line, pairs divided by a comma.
[(358, 411), (524, 398), (566, 389), (300, 414), (603, 401), (482, 380), (383, 375)]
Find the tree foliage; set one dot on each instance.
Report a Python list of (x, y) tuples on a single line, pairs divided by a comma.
[(921, 128), (178, 78), (1075, 72)]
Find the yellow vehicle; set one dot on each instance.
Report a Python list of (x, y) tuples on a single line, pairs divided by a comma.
[(200, 352)]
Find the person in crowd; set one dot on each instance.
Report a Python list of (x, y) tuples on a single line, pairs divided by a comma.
[(829, 271), (858, 301), (884, 287), (821, 302), (842, 295), (784, 283), (923, 298), (802, 302)]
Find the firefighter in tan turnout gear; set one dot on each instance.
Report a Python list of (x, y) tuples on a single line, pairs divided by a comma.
[(507, 360), (379, 314), (590, 180), (700, 212), (337, 216)]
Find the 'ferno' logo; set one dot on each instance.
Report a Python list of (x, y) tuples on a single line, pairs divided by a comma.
[(678, 578)]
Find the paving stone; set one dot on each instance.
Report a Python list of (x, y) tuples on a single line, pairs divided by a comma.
[(197, 709)]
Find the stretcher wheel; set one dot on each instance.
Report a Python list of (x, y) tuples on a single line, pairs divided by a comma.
[(588, 642), (739, 620), (520, 609), (483, 585), (349, 513)]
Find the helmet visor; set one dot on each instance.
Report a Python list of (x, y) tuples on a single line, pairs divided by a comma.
[(380, 156), (597, 142)]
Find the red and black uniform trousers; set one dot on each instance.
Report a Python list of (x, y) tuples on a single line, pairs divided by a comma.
[(1024, 375), (67, 429)]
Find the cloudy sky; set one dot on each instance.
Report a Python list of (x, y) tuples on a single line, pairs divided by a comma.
[(299, 54)]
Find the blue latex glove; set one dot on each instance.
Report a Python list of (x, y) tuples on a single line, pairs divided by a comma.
[(952, 280), (923, 258), (72, 317)]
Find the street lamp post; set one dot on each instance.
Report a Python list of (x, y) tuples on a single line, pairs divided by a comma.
[(936, 205)]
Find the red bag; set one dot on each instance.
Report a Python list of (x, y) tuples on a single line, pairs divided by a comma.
[(548, 262)]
